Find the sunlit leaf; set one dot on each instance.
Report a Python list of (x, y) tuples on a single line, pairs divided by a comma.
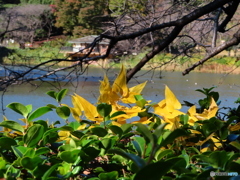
[(38, 112), (19, 108), (63, 112), (33, 135), (12, 125), (61, 95)]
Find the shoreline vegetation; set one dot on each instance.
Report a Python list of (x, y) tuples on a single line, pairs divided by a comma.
[(225, 62)]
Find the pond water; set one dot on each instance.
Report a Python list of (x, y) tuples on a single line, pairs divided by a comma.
[(183, 87)]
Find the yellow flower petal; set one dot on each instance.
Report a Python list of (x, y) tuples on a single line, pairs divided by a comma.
[(90, 110), (171, 100), (120, 83)]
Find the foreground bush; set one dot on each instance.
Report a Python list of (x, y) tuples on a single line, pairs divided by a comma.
[(161, 143)]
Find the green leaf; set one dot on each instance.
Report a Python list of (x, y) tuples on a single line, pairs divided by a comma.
[(162, 153), (99, 131), (43, 123), (159, 132), (12, 125), (50, 171), (42, 150), (31, 163), (19, 108), (61, 95), (38, 112), (140, 101), (235, 144), (140, 163), (64, 168), (153, 171), (172, 136), (219, 159), (29, 153), (126, 128), (63, 112), (74, 125), (104, 109), (34, 135), (70, 156), (139, 144), (108, 143), (19, 151), (51, 106), (29, 108), (145, 132), (91, 152), (108, 176), (117, 114), (76, 169), (7, 143), (116, 130), (52, 94)]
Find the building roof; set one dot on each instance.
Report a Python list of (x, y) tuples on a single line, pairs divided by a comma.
[(89, 40)]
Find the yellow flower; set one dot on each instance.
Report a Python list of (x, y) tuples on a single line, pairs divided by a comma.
[(119, 90), (90, 111), (168, 109)]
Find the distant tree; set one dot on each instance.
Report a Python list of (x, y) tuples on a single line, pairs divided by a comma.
[(80, 17), (24, 23)]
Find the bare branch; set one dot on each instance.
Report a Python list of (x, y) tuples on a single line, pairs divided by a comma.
[(234, 41)]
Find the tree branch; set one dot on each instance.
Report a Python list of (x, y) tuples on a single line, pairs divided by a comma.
[(234, 41)]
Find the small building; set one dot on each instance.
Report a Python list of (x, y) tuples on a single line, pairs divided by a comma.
[(80, 47)]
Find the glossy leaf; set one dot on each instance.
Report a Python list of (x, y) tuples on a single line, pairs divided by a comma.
[(145, 132), (116, 130), (104, 109), (52, 94), (235, 144), (61, 95), (19, 151), (162, 153), (50, 171), (173, 135), (33, 135), (153, 171), (70, 156), (38, 112), (140, 163), (108, 176), (42, 150), (31, 163), (12, 125), (63, 112), (19, 108), (99, 131), (139, 145)]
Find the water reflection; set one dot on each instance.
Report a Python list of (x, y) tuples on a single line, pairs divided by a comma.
[(183, 86)]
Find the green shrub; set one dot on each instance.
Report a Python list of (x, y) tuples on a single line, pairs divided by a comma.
[(100, 145)]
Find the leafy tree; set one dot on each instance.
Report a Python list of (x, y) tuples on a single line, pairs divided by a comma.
[(79, 17)]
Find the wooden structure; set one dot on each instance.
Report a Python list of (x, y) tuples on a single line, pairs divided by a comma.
[(80, 47)]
